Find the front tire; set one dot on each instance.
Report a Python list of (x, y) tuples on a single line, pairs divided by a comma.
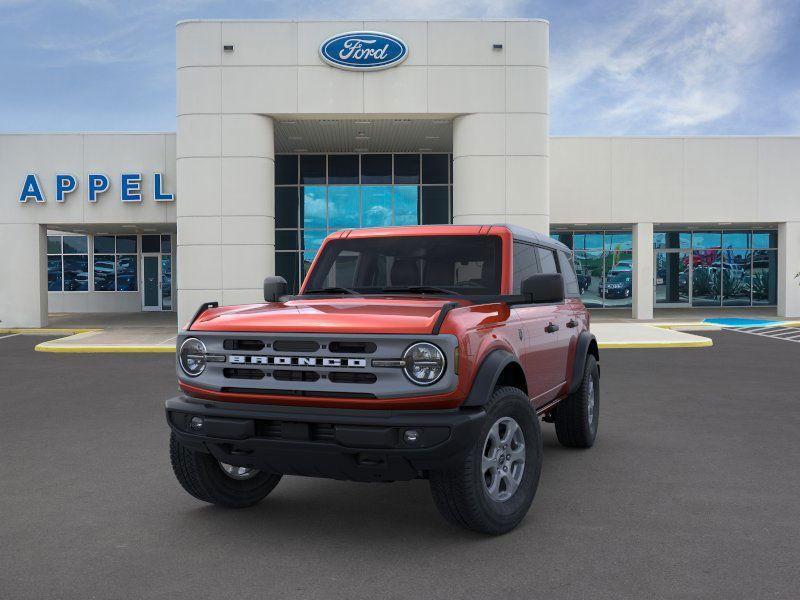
[(209, 480), (491, 487), (576, 417)]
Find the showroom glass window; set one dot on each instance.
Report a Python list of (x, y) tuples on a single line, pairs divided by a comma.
[(115, 264), (603, 264), (722, 267), (67, 263), (317, 194)]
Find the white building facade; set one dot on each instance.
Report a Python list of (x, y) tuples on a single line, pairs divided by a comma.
[(278, 145)]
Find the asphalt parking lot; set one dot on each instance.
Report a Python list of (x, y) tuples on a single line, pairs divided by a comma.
[(692, 491)]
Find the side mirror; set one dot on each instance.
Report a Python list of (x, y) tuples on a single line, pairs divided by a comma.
[(544, 287), (274, 287)]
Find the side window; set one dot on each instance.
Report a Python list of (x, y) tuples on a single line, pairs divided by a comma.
[(547, 258), (570, 278), (525, 264)]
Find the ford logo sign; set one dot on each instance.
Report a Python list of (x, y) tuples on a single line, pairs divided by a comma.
[(363, 50)]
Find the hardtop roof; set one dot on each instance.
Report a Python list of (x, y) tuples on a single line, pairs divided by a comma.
[(517, 232), (534, 237)]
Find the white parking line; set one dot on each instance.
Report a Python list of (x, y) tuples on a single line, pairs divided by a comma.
[(790, 334), (2, 337)]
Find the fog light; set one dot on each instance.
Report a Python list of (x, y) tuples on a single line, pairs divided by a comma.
[(196, 423), (411, 436)]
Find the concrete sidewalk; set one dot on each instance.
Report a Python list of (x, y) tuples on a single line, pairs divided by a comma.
[(644, 335), (158, 339), (107, 332), (684, 315), (131, 339), (156, 332)]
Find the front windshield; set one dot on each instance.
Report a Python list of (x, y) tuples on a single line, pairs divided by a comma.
[(465, 265)]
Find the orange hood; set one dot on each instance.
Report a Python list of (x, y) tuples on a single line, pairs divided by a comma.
[(412, 315)]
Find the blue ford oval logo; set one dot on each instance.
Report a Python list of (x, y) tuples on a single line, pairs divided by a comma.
[(363, 50)]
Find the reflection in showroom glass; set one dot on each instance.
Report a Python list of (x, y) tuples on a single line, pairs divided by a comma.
[(318, 194)]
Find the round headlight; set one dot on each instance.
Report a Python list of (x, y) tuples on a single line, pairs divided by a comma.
[(424, 363), (192, 357)]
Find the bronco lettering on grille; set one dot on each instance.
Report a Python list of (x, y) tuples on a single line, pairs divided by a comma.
[(298, 361)]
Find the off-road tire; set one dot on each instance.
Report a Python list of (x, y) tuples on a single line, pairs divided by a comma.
[(459, 492), (201, 475), (574, 427)]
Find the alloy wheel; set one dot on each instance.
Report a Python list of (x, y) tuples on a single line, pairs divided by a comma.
[(503, 459)]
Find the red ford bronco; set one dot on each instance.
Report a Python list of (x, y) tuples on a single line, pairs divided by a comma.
[(410, 352)]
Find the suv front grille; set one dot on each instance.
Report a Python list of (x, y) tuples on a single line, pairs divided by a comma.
[(352, 377), (245, 345), (286, 375), (243, 373), (295, 346), (332, 365), (351, 347)]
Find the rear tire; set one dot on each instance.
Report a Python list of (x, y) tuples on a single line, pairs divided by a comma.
[(204, 477), (476, 492), (576, 417)]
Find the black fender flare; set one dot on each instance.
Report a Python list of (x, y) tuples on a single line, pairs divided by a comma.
[(582, 349), (486, 378)]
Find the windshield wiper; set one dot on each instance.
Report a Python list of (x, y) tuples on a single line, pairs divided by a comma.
[(420, 289), (332, 290)]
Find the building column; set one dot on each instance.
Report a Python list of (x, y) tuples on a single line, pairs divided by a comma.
[(23, 271), (788, 267), (501, 170), (642, 271), (226, 223)]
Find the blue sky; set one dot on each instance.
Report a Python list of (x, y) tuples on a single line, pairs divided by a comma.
[(617, 68)]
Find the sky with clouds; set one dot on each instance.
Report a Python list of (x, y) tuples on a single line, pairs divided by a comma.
[(668, 67)]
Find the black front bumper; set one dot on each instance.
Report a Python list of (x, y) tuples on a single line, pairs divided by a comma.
[(358, 445)]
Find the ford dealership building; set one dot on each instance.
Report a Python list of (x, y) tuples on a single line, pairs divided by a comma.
[(290, 130)]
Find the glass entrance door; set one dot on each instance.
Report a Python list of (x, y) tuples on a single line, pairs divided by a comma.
[(151, 276), (157, 268)]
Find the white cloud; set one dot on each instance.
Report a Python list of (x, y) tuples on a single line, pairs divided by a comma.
[(126, 35), (408, 9), (669, 69)]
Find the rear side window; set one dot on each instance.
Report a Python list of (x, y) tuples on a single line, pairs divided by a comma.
[(547, 260), (525, 264), (568, 271)]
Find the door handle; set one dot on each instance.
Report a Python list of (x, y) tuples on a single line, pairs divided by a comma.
[(551, 328), (572, 323)]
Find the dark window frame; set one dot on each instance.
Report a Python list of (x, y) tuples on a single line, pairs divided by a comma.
[(288, 195), (61, 255)]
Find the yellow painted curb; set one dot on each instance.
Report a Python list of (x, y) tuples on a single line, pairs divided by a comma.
[(45, 347), (686, 326), (704, 343), (46, 331)]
